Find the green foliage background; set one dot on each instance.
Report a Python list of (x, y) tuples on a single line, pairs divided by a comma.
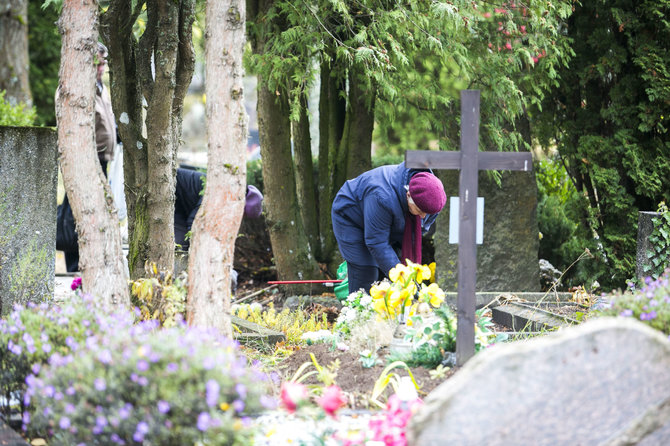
[(607, 118), (44, 49)]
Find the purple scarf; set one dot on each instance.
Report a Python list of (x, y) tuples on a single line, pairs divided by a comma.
[(411, 239)]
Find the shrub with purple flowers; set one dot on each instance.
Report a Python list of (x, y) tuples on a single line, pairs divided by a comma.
[(31, 336), (649, 304), (146, 384)]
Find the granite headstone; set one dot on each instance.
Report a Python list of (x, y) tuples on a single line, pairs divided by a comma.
[(29, 172), (507, 260), (603, 382)]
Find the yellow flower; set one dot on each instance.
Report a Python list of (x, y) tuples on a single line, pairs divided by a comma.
[(432, 294), (379, 290), (400, 273), (379, 305), (422, 272), (224, 406), (432, 272)]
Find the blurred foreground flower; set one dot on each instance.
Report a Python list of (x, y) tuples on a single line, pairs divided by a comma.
[(292, 395), (332, 400)]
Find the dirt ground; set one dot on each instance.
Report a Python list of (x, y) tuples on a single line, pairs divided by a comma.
[(355, 380)]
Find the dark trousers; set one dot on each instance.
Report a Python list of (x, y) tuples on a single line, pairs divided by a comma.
[(362, 276)]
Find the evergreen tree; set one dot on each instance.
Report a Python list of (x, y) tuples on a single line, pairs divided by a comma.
[(608, 119)]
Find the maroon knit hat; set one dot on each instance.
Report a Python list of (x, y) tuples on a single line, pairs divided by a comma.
[(427, 192)]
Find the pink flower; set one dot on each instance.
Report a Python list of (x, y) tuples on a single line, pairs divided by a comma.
[(523, 29), (332, 400), (487, 15), (508, 46), (292, 394), (76, 283)]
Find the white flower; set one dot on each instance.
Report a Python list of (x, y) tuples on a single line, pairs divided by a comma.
[(255, 306), (366, 300)]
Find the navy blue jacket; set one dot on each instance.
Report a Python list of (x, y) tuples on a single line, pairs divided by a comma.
[(188, 199), (369, 216)]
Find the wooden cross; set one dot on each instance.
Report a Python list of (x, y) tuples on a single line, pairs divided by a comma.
[(469, 160)]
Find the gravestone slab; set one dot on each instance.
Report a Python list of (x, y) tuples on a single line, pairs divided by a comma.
[(603, 382), (29, 172), (8, 437), (508, 257), (645, 226)]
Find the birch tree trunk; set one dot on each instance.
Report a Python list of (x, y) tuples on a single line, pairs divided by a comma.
[(101, 263), (14, 61), (218, 220)]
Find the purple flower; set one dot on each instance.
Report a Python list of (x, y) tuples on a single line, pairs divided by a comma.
[(238, 405), (648, 316), (124, 412), (26, 418), (27, 338), (76, 283), (46, 348), (142, 365), (172, 367), (212, 392), (105, 356), (241, 390), (64, 423), (69, 408), (143, 381), (268, 402), (141, 429), (163, 406), (14, 348), (99, 384), (36, 368), (203, 421), (626, 313)]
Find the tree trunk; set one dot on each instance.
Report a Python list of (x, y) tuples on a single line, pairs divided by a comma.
[(292, 256), (217, 223), (103, 272), (14, 52), (150, 159), (332, 109), (362, 121), (305, 178), (289, 243)]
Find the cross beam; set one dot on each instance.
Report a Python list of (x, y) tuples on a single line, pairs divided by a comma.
[(469, 160)]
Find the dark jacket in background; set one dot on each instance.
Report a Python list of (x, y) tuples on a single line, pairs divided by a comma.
[(188, 199)]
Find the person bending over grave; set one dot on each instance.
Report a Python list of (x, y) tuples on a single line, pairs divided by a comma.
[(379, 212), (188, 199)]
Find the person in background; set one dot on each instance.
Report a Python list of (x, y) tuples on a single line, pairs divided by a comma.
[(379, 212), (188, 198), (105, 142)]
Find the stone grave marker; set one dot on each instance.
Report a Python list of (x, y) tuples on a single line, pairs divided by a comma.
[(469, 161), (9, 437), (29, 172), (645, 226), (602, 382), (507, 260)]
